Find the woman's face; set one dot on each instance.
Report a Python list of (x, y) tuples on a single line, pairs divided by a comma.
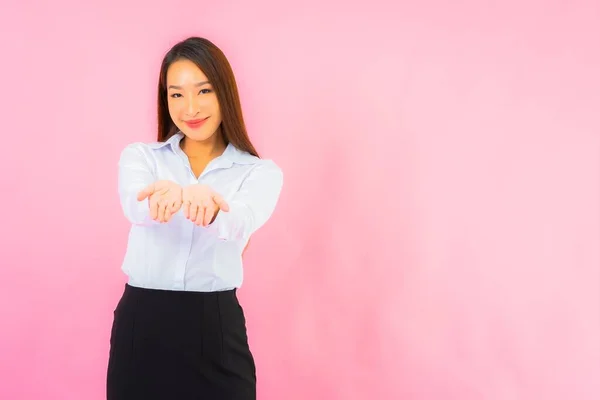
[(193, 104)]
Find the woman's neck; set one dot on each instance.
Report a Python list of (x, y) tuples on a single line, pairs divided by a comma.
[(203, 150)]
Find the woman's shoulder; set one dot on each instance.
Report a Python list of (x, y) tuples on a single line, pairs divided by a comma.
[(142, 147), (267, 169), (267, 164), (243, 157), (139, 152), (260, 168)]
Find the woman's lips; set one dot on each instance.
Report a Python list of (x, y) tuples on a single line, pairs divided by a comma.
[(196, 123)]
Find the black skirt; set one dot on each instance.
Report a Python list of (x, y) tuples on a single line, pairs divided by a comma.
[(177, 345)]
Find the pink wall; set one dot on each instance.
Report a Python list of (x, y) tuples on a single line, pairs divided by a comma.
[(438, 236)]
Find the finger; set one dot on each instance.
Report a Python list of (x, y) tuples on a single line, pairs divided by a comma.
[(146, 192), (161, 211), (168, 208), (175, 206), (200, 218), (208, 215), (167, 215), (221, 202), (193, 212), (153, 208), (186, 209)]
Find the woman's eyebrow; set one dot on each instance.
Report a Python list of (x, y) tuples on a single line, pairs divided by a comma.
[(180, 88)]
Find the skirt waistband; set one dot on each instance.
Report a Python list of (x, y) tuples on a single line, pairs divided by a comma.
[(140, 291), (178, 301)]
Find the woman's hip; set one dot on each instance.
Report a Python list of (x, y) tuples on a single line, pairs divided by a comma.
[(199, 335)]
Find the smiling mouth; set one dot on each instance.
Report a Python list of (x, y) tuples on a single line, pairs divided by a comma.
[(196, 123)]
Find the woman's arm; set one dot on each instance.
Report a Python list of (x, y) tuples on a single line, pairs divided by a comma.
[(252, 205), (135, 173)]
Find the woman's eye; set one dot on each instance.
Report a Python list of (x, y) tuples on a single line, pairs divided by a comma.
[(175, 95), (205, 91)]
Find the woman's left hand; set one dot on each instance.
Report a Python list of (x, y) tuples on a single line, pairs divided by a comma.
[(201, 204)]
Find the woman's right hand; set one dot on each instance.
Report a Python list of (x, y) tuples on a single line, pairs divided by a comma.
[(164, 199)]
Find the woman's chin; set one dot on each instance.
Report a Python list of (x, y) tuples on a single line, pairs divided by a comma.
[(197, 135)]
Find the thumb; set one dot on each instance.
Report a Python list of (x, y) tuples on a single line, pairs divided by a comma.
[(223, 206), (146, 192)]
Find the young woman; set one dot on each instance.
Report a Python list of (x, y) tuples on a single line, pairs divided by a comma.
[(193, 198)]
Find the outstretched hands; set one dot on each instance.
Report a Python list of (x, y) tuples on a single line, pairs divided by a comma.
[(201, 204)]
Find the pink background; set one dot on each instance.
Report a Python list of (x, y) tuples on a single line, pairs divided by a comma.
[(438, 236)]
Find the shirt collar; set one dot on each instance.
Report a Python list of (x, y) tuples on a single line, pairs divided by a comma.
[(171, 142), (230, 156)]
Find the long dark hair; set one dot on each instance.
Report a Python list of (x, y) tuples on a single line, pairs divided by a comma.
[(211, 60)]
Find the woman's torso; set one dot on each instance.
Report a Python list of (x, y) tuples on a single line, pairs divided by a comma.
[(179, 255)]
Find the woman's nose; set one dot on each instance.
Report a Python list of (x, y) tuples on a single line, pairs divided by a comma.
[(192, 106)]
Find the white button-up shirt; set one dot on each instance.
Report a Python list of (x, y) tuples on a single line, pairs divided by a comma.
[(178, 255)]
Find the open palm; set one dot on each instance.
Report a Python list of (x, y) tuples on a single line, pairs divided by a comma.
[(164, 199), (202, 204)]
